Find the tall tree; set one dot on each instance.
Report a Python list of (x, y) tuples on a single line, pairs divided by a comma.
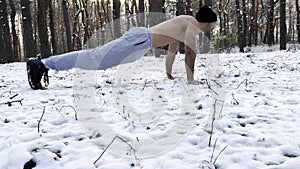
[(142, 13), (43, 29), (239, 26), (283, 38), (269, 32), (255, 39), (245, 22), (252, 23), (15, 52), (116, 18), (223, 16), (298, 19), (270, 22), (52, 28), (67, 24), (5, 33), (29, 43)]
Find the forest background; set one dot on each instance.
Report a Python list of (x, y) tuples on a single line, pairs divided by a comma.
[(30, 28)]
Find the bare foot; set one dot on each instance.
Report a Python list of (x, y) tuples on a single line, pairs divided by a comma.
[(170, 76)]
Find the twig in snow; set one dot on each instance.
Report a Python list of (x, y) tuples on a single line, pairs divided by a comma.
[(235, 102), (212, 155), (9, 103), (13, 96), (76, 118), (246, 83), (210, 87), (131, 148), (219, 154), (212, 123), (41, 119)]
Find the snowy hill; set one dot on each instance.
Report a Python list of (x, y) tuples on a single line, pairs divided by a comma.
[(257, 129)]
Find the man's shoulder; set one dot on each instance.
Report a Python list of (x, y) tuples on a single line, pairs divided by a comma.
[(188, 17)]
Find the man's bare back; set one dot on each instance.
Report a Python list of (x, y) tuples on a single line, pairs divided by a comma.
[(174, 30)]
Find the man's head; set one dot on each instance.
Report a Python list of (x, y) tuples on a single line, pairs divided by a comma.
[(206, 15)]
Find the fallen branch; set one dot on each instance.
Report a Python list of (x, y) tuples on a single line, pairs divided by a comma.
[(13, 96), (131, 148), (41, 119), (212, 155), (212, 123), (246, 83), (9, 103), (235, 102), (219, 154), (76, 118), (209, 87)]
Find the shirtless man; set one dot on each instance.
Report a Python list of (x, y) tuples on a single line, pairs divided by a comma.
[(132, 46)]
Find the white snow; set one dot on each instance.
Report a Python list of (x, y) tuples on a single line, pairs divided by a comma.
[(260, 118)]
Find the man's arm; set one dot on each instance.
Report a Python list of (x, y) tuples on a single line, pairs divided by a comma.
[(173, 48)]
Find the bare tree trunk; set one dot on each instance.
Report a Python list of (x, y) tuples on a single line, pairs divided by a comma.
[(116, 18), (52, 28), (283, 39), (142, 13), (245, 22), (2, 58), (5, 33), (220, 12), (85, 22), (298, 20), (102, 32), (29, 43), (240, 26), (269, 34), (67, 24), (42, 28), (15, 52), (256, 24), (252, 23), (76, 27)]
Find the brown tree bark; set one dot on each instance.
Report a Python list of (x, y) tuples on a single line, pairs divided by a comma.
[(6, 52), (42, 29), (29, 43), (67, 24), (298, 19), (283, 38), (52, 28), (15, 52), (240, 26)]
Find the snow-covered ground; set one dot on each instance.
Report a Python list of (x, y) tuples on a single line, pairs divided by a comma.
[(257, 129)]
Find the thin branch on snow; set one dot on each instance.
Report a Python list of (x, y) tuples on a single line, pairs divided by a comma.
[(246, 83), (212, 123), (9, 103), (219, 154), (116, 137), (41, 119), (210, 87), (212, 155), (76, 118)]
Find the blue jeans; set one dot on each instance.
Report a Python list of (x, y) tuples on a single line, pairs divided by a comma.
[(130, 47)]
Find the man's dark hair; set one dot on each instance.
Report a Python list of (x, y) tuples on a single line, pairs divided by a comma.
[(206, 15)]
